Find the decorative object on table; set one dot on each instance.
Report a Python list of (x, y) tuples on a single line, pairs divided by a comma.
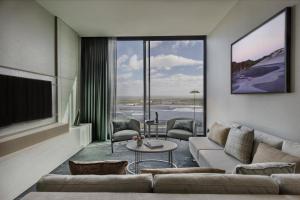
[(156, 117), (123, 130), (98, 167), (194, 92), (184, 129), (152, 144), (77, 119), (139, 140)]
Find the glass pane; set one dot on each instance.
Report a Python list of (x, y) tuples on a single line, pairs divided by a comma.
[(176, 81), (129, 92)]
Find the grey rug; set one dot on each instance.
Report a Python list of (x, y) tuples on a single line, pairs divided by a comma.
[(102, 151)]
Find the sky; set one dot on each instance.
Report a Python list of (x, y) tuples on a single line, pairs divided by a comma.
[(176, 68), (262, 41)]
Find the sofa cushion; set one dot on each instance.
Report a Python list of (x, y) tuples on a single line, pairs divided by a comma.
[(95, 183), (184, 124), (182, 170), (98, 167), (268, 168), (261, 137), (124, 135), (288, 183), (291, 148), (180, 134), (217, 159), (214, 184), (239, 143), (266, 153), (218, 133)]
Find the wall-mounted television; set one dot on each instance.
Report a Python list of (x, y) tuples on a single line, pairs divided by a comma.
[(24, 99), (260, 60)]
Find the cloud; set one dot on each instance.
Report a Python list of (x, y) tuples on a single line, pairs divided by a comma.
[(154, 44), (184, 43), (122, 59), (169, 61), (135, 63)]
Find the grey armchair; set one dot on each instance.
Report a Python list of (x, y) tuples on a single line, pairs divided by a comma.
[(181, 128), (123, 130)]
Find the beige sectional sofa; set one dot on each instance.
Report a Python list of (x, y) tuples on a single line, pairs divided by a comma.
[(210, 154), (168, 186)]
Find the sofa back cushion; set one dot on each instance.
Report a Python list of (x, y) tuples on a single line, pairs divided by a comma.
[(267, 168), (186, 170), (292, 148), (271, 140), (289, 184), (218, 133), (120, 125), (214, 184), (266, 153), (95, 183), (239, 143), (98, 167)]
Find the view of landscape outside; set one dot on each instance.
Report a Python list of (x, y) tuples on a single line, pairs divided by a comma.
[(176, 69)]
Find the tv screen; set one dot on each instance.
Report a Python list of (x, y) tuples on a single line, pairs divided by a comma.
[(24, 99), (260, 59)]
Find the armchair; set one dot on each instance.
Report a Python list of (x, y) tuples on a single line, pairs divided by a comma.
[(181, 128), (123, 130)]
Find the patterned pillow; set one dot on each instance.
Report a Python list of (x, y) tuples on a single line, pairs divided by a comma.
[(267, 168), (120, 125), (184, 124), (239, 143), (218, 133)]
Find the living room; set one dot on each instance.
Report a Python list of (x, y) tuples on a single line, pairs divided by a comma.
[(149, 99)]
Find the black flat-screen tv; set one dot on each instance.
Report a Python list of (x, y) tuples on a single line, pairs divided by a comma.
[(260, 60), (24, 99)]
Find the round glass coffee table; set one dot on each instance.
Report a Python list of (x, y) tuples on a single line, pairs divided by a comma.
[(168, 146)]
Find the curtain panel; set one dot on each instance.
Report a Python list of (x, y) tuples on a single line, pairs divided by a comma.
[(95, 86)]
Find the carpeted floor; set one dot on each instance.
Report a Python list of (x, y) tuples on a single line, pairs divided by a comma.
[(102, 151)]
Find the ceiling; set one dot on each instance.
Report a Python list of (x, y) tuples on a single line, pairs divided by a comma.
[(140, 17)]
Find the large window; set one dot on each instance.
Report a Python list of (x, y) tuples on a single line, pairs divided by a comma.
[(163, 76)]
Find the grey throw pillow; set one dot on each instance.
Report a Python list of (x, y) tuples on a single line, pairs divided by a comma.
[(120, 125), (184, 124), (239, 143), (267, 168)]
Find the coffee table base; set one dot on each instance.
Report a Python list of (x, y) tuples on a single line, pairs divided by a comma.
[(136, 165)]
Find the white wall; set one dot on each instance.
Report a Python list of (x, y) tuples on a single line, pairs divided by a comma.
[(278, 114), (68, 50), (26, 36)]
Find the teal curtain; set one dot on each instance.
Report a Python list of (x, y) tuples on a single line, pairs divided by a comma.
[(95, 95)]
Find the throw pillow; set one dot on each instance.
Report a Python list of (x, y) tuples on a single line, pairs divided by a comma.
[(266, 153), (120, 125), (267, 168), (98, 167), (291, 148), (182, 170), (184, 124), (239, 143), (218, 133)]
